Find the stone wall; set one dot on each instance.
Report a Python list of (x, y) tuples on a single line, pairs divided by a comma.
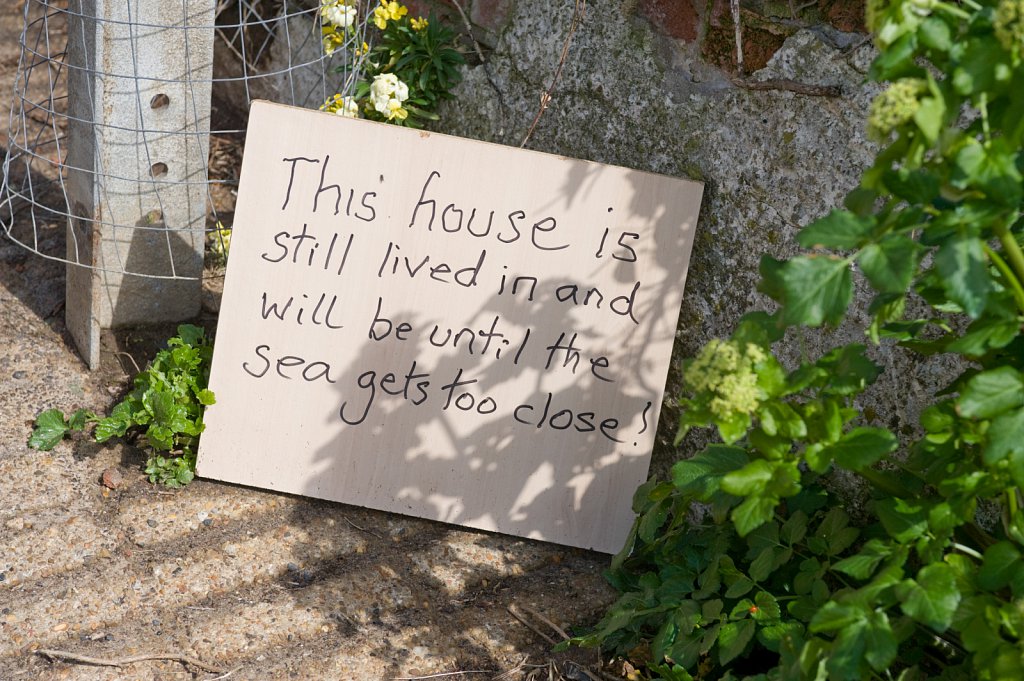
[(650, 86)]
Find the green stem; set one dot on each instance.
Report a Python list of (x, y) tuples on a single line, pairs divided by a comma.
[(1013, 253), (983, 108), (968, 550), (1011, 280)]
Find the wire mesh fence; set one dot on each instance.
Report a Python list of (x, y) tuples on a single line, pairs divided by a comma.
[(127, 120)]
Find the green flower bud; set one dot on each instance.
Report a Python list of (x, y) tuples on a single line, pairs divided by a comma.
[(1009, 24), (725, 373), (895, 106)]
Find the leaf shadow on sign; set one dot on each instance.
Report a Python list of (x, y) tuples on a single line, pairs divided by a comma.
[(437, 468), (440, 469)]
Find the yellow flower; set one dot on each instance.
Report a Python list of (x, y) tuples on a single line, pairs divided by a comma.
[(333, 38), (395, 110), (388, 11), (360, 51), (418, 24)]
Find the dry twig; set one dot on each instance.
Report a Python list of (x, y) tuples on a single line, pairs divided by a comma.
[(442, 674), (512, 611), (469, 30), (789, 86), (578, 13), (362, 529), (734, 5), (107, 662)]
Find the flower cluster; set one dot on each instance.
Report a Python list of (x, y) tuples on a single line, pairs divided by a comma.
[(342, 106), (895, 106), (339, 16), (388, 11), (1009, 24), (387, 93), (400, 73), (726, 370)]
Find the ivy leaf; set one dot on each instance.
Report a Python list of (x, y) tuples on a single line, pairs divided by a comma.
[(933, 598), (840, 229), (992, 392), (961, 264), (890, 264), (817, 290), (861, 447), (733, 638), (50, 429)]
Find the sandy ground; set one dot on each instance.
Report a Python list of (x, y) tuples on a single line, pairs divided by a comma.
[(264, 585)]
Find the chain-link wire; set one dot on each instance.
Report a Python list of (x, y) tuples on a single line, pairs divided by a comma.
[(137, 133)]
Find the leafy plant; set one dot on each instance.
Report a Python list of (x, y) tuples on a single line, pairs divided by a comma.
[(409, 66), (165, 408), (743, 565)]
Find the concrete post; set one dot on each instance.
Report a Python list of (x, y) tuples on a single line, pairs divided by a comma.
[(139, 76)]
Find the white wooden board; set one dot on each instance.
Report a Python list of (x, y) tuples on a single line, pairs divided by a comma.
[(445, 328)]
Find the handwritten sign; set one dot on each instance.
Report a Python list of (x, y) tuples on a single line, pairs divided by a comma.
[(445, 328)]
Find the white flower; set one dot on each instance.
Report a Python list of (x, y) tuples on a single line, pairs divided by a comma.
[(348, 108), (387, 93), (338, 13)]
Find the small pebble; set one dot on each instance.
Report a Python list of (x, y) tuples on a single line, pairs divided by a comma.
[(151, 522), (112, 477), (292, 567), (20, 374), (208, 522)]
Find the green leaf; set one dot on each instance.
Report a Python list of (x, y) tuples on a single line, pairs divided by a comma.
[(733, 638), (934, 34), (206, 397), (839, 229), (834, 616), (1005, 436), (991, 168), (80, 418), (817, 290), (1000, 564), (767, 607), (750, 479), (890, 264), (933, 598), (50, 429), (901, 520), (992, 392), (863, 564), (880, 642), (961, 263), (794, 529), (861, 447), (752, 513), (985, 334), (701, 476), (930, 115)]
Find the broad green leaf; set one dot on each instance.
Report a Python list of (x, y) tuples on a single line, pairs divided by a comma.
[(985, 334), (80, 418), (975, 71), (834, 616), (915, 186), (991, 168), (1001, 562), (934, 34), (761, 566), (861, 447), (840, 229), (863, 564), (880, 642), (992, 392), (817, 290), (1005, 436), (794, 529), (930, 114), (733, 638), (50, 429), (767, 607), (961, 263), (933, 597), (752, 513), (890, 264), (848, 369), (849, 652), (702, 475), (750, 479), (901, 520), (206, 397)]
